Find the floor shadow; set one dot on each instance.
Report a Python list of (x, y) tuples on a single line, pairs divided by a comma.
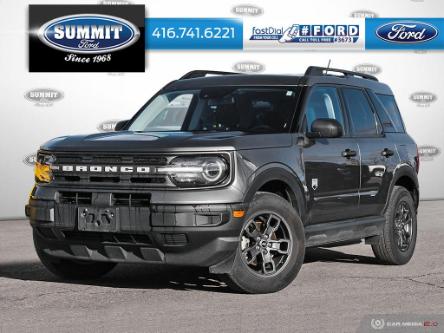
[(132, 276), (147, 276), (318, 254)]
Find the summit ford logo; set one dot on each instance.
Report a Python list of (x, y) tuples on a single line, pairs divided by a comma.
[(87, 38), (88, 33), (43, 96), (406, 32)]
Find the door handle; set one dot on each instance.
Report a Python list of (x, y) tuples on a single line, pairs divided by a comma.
[(387, 152), (348, 153)]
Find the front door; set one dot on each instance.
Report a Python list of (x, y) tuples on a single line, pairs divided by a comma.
[(332, 167)]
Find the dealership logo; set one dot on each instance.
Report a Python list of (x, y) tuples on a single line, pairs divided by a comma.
[(30, 159), (308, 33), (107, 126), (248, 67), (367, 69), (248, 10), (423, 99), (114, 2), (363, 14), (43, 97), (88, 33), (428, 152), (406, 32)]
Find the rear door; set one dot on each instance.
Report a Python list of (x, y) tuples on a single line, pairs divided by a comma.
[(331, 164), (378, 153)]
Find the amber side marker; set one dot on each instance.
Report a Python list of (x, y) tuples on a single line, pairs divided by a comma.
[(238, 213)]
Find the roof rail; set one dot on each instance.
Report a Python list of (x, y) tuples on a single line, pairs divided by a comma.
[(319, 71), (203, 73)]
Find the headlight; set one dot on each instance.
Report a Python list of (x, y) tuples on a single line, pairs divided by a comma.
[(196, 171), (42, 169)]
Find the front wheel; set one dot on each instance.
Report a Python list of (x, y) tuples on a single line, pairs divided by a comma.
[(271, 248), (71, 269)]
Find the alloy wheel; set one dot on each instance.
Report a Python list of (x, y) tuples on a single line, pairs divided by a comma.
[(403, 226), (266, 243)]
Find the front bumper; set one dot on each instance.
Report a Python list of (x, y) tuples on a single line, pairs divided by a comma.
[(194, 235)]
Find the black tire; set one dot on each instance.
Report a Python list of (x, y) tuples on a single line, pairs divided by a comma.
[(71, 269), (243, 278), (391, 248)]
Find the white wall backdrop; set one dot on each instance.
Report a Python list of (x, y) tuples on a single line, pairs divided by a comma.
[(92, 98)]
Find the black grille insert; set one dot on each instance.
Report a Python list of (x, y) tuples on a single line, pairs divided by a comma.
[(175, 239), (75, 198), (114, 238), (131, 199)]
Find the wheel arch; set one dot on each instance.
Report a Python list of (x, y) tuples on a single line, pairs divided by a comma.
[(281, 180), (406, 177)]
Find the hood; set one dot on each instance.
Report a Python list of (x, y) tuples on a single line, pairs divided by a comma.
[(166, 141)]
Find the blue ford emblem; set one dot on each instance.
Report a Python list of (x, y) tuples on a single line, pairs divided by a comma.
[(88, 33), (406, 32)]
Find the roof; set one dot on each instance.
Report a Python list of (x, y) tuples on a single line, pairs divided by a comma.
[(313, 75)]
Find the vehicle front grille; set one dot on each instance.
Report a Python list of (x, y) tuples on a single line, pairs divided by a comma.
[(110, 177), (114, 199)]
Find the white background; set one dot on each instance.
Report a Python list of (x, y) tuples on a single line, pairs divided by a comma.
[(90, 98)]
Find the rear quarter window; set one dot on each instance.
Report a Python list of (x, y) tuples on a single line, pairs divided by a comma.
[(388, 112)]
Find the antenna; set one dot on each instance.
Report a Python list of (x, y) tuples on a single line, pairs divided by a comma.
[(328, 66)]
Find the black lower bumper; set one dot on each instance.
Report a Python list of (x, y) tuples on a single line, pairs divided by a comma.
[(198, 235)]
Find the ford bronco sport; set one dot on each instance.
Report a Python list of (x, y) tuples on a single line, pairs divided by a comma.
[(238, 173)]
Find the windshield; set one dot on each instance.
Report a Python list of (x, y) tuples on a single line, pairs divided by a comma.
[(219, 109)]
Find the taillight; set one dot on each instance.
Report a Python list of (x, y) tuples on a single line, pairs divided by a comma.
[(417, 159)]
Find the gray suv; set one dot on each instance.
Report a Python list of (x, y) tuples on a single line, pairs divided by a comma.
[(238, 173)]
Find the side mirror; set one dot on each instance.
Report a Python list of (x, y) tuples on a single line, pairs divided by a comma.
[(325, 128), (120, 124)]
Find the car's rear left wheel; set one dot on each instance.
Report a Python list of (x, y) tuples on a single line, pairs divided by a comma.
[(397, 243)]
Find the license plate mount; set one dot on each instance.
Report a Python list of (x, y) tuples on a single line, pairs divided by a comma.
[(98, 219)]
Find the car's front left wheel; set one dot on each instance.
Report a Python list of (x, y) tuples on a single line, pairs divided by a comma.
[(271, 248)]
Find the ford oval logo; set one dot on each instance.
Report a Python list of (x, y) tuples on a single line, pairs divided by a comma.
[(88, 33), (406, 32)]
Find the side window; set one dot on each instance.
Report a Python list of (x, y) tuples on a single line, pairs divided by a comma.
[(392, 111), (323, 102), (364, 122)]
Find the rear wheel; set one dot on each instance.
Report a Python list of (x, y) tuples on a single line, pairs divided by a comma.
[(71, 269), (397, 243), (271, 248)]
